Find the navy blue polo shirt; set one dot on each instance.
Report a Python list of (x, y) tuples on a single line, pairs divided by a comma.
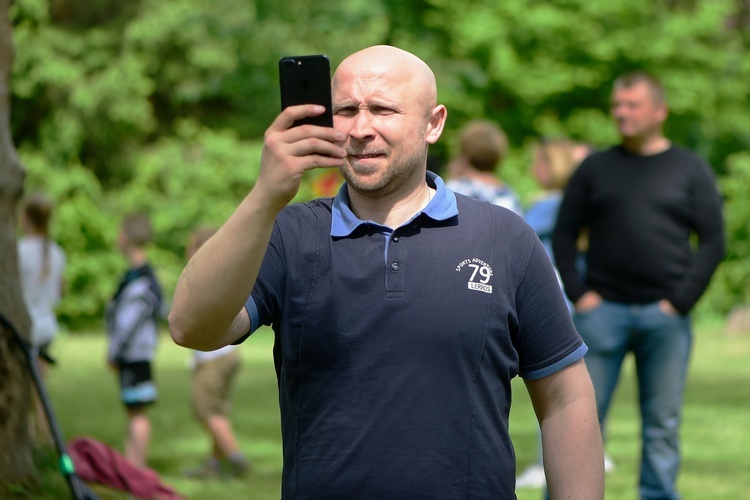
[(395, 348)]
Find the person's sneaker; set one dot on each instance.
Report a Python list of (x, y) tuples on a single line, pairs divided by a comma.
[(532, 477), (209, 470), (609, 465), (239, 468)]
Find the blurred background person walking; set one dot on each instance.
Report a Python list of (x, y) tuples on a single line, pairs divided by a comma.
[(213, 379), (41, 265)]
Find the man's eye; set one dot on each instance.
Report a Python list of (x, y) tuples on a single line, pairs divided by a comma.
[(344, 112)]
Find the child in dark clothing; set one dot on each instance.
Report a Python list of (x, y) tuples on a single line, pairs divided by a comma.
[(132, 326)]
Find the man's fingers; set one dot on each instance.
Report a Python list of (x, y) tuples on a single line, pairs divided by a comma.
[(316, 146), (286, 118), (290, 151)]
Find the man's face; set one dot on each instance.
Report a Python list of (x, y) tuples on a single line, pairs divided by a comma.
[(635, 111), (387, 119)]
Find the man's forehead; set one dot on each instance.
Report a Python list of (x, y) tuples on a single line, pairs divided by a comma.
[(634, 89), (381, 91), (382, 58), (373, 76), (385, 70), (367, 86)]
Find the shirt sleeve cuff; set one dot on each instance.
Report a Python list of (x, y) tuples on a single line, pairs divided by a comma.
[(252, 313), (556, 367)]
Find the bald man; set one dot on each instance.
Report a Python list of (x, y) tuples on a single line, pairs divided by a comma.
[(401, 311)]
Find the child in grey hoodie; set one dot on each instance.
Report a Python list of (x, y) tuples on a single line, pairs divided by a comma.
[(132, 325)]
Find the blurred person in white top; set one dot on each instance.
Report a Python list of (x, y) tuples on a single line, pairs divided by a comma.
[(41, 264)]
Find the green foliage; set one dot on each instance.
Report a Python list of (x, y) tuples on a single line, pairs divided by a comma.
[(731, 284), (557, 60), (161, 106)]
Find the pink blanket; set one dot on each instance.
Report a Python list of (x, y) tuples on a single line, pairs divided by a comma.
[(98, 463)]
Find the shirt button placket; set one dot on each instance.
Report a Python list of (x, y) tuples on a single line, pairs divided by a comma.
[(395, 278)]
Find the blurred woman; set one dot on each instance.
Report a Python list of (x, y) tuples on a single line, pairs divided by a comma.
[(555, 160), (41, 265)]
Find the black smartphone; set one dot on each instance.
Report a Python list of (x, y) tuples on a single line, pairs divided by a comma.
[(307, 80)]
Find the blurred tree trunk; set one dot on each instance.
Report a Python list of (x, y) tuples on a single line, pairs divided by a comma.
[(15, 387)]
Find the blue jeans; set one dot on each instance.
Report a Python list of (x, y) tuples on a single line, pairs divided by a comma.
[(661, 346)]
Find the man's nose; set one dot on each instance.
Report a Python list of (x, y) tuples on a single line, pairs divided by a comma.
[(362, 125), (619, 110)]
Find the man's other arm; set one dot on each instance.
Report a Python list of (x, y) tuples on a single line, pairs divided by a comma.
[(571, 439)]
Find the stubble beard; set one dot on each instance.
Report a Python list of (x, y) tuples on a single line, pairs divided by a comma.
[(372, 181)]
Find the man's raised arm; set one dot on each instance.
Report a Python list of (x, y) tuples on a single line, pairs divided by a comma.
[(207, 309)]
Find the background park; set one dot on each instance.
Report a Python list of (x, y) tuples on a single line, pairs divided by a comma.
[(160, 107)]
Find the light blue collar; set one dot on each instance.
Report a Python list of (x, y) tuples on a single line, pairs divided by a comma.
[(441, 207)]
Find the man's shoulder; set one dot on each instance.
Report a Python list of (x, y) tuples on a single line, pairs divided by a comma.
[(603, 156), (302, 214), (688, 164), (684, 154), (304, 222), (317, 207)]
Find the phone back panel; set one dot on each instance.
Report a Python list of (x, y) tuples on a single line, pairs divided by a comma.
[(307, 80)]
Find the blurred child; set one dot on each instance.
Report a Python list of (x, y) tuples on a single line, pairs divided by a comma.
[(482, 149), (41, 264), (132, 325), (215, 372)]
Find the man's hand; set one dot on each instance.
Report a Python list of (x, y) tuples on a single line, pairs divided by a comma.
[(588, 301), (288, 152), (207, 308), (667, 308)]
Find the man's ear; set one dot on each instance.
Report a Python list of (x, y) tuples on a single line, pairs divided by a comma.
[(662, 112), (436, 124)]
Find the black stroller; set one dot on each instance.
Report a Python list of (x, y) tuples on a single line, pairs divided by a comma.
[(78, 488)]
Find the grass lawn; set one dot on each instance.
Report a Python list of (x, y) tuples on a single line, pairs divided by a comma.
[(716, 428)]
